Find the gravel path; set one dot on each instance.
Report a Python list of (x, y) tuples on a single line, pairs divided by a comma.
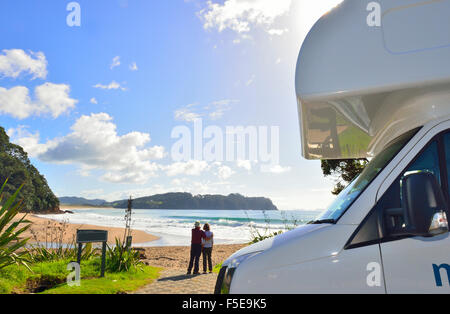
[(174, 281)]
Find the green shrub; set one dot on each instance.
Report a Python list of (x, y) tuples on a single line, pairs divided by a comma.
[(122, 258), (10, 242), (258, 235), (217, 268), (39, 254), (17, 168), (54, 249)]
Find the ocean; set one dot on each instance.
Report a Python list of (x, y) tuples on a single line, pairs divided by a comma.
[(174, 226)]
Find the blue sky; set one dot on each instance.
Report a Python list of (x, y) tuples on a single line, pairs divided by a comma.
[(95, 105)]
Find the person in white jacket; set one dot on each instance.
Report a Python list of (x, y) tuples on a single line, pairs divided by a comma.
[(207, 247)]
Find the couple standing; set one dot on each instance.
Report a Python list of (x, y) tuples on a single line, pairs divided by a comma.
[(202, 241)]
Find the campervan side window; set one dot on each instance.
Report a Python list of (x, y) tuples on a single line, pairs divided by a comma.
[(378, 226), (447, 160), (427, 161)]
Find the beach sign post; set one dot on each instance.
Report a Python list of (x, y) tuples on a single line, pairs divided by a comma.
[(92, 236), (128, 238), (129, 242)]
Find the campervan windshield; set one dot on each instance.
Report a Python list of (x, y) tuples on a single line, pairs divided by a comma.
[(354, 189)]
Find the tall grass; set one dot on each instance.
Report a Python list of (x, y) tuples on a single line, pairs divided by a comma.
[(261, 234), (11, 244), (54, 249), (121, 258)]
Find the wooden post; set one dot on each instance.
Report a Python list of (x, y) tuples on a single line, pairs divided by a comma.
[(103, 259), (80, 249), (93, 236)]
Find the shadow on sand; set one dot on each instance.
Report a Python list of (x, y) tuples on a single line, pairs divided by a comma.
[(178, 278)]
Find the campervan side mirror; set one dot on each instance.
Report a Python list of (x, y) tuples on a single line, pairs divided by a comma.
[(424, 206)]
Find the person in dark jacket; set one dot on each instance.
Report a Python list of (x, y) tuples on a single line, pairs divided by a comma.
[(196, 248)]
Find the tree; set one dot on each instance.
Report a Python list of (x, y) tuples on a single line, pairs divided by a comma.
[(343, 171), (188, 201), (17, 170)]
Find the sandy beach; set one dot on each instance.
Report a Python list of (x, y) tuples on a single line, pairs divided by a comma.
[(177, 257), (169, 257), (46, 230)]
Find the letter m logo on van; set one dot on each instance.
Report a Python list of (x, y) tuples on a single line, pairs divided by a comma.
[(437, 273)]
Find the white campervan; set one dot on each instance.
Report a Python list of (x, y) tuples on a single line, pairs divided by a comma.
[(373, 81)]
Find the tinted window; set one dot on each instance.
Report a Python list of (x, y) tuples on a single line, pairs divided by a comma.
[(427, 161), (447, 155), (391, 202)]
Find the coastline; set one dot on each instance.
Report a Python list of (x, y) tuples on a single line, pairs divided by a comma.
[(81, 207), (45, 230), (168, 257), (160, 228), (172, 227)]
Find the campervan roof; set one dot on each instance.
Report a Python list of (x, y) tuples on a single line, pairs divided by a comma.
[(370, 71)]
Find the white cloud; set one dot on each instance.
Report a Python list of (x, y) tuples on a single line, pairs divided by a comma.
[(251, 80), (115, 62), (93, 101), (94, 144), (220, 107), (178, 182), (224, 172), (200, 187), (186, 114), (189, 168), (245, 164), (277, 32), (29, 141), (275, 169), (214, 110), (49, 98), (91, 194), (54, 99), (178, 185), (216, 115), (125, 193), (16, 102), (134, 67), (110, 86), (14, 62), (85, 170), (241, 16)]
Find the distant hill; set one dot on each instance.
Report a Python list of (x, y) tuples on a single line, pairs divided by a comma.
[(80, 201), (17, 168), (188, 201)]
